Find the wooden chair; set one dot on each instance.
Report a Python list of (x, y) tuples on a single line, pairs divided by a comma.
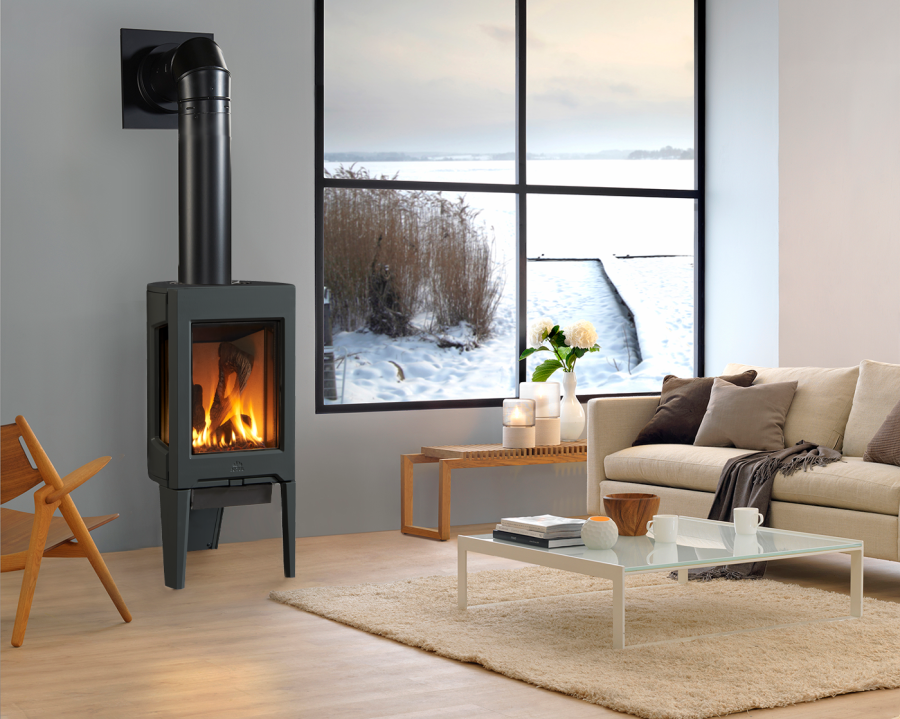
[(27, 538)]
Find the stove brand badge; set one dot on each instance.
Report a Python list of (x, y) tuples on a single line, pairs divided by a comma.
[(237, 467)]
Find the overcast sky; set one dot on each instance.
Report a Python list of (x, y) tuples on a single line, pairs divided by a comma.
[(439, 75)]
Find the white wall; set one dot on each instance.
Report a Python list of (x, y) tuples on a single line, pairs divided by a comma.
[(89, 217), (742, 183), (839, 116)]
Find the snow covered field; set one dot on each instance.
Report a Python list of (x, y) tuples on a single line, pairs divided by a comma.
[(658, 290)]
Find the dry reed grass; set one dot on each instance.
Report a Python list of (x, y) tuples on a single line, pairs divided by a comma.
[(390, 254)]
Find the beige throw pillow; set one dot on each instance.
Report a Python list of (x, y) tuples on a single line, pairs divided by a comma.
[(885, 445), (877, 391), (746, 417)]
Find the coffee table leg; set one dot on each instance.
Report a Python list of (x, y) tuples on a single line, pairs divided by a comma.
[(856, 583), (682, 576), (618, 622), (462, 578)]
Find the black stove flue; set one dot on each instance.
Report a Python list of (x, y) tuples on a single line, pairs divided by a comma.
[(220, 353), (203, 89)]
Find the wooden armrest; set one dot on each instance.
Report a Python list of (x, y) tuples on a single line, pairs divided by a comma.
[(77, 478)]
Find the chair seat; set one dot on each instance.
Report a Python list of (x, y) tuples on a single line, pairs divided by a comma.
[(16, 529)]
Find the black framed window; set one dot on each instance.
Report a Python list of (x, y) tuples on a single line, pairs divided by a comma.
[(483, 164)]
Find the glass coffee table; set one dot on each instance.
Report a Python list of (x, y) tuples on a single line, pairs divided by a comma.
[(700, 543)]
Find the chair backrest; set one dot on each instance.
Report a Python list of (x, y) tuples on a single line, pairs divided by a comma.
[(17, 475)]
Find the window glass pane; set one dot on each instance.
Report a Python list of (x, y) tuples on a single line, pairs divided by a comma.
[(421, 290), (610, 96), (422, 82), (626, 265)]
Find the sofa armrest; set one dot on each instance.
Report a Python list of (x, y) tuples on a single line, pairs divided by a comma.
[(613, 423)]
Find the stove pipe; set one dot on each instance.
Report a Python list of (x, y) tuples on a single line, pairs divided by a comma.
[(194, 74)]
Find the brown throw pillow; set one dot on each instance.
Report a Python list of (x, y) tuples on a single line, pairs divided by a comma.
[(746, 417), (682, 406), (885, 445)]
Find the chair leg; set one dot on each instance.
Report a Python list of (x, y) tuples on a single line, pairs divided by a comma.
[(39, 530), (86, 542)]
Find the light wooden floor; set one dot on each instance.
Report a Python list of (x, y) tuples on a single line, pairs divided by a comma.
[(219, 648)]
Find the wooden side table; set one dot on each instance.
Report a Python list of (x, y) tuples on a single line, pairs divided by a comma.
[(452, 457)]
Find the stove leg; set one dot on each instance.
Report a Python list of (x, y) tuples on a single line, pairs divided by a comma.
[(175, 509), (289, 525)]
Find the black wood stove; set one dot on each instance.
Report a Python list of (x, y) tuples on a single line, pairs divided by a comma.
[(220, 352)]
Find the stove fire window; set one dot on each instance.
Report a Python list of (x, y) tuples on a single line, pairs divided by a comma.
[(233, 398)]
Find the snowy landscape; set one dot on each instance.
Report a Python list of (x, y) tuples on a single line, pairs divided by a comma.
[(582, 274)]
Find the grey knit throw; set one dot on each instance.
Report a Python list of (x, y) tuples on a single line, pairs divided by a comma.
[(746, 481)]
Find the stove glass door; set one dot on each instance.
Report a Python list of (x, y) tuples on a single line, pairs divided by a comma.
[(235, 376)]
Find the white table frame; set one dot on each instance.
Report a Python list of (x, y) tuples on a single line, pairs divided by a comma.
[(616, 573)]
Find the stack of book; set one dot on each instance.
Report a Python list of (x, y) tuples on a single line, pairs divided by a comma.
[(545, 531)]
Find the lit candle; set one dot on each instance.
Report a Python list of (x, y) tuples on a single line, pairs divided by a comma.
[(518, 423), (545, 396), (546, 410)]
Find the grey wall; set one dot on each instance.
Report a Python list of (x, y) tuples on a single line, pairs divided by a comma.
[(742, 183), (89, 218)]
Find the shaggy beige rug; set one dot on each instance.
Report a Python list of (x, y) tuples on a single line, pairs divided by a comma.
[(552, 629)]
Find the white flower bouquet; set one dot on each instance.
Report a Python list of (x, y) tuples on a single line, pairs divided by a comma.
[(568, 345)]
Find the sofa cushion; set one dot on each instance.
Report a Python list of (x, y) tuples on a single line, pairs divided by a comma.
[(674, 465), (747, 417), (852, 484), (682, 405), (821, 403), (885, 445), (877, 391)]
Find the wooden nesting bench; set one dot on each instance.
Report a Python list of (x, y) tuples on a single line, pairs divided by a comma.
[(463, 456)]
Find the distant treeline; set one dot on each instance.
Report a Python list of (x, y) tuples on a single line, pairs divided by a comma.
[(666, 153)]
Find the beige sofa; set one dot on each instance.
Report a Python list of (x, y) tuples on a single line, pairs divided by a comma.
[(841, 408)]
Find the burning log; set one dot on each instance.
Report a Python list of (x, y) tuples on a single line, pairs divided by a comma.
[(198, 413), (231, 361)]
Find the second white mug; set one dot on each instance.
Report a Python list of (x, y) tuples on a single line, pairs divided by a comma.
[(664, 526)]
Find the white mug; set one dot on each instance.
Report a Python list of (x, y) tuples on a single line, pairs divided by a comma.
[(746, 520), (665, 527), (663, 553), (746, 545)]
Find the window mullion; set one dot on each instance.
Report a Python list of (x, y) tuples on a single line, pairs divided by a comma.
[(521, 185)]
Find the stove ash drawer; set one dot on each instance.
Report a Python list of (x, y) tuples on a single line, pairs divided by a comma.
[(217, 497)]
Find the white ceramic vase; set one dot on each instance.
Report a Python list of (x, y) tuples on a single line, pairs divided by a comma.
[(599, 533), (571, 413)]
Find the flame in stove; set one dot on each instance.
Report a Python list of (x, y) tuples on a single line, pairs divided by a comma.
[(229, 401), (237, 431)]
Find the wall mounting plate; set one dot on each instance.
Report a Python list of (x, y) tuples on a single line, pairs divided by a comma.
[(135, 46)]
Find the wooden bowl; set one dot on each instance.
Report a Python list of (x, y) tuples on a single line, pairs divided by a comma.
[(631, 511)]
